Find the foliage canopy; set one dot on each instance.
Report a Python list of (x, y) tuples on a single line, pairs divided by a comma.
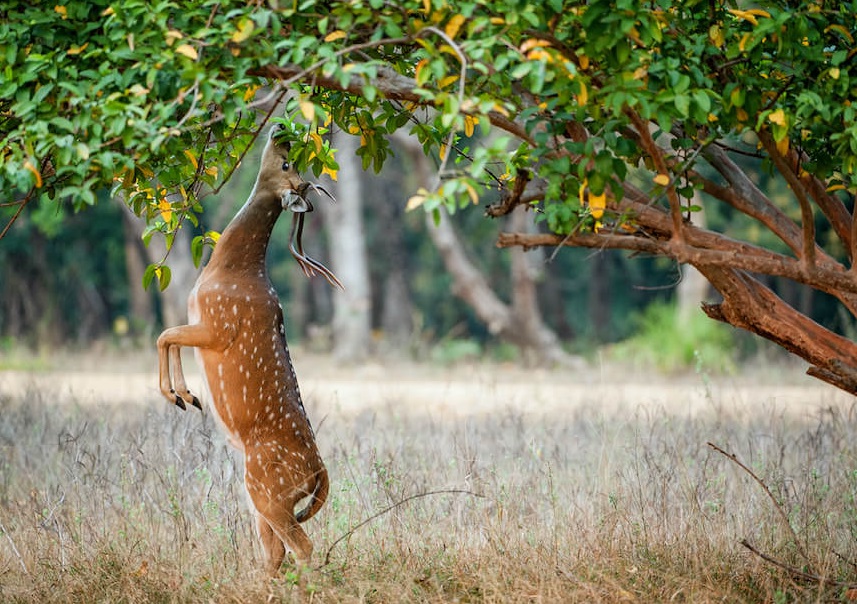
[(616, 120)]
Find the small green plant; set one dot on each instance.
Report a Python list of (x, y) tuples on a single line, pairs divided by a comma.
[(450, 352), (669, 343)]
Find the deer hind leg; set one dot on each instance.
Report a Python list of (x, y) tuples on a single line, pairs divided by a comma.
[(275, 513), (172, 382), (275, 551)]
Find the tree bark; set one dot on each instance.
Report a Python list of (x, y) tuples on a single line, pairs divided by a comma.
[(351, 305), (141, 307), (519, 323)]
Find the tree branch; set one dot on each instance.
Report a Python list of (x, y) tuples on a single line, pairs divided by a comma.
[(656, 153), (745, 197), (391, 84), (807, 219)]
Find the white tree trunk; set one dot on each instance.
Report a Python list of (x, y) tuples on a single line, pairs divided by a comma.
[(693, 287), (351, 306)]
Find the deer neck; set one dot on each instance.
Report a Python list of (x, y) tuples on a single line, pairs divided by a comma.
[(243, 245)]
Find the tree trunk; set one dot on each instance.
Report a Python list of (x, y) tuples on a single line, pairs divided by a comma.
[(693, 286), (351, 305), (141, 306), (519, 323)]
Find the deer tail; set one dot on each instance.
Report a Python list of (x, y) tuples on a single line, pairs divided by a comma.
[(319, 496)]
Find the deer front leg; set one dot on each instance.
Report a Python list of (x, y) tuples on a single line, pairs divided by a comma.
[(172, 382), (179, 385)]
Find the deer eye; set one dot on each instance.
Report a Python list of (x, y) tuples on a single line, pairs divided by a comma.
[(285, 166)]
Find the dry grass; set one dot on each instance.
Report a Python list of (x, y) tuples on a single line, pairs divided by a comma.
[(107, 502)]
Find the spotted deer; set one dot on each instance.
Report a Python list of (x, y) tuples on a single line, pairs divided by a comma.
[(236, 326)]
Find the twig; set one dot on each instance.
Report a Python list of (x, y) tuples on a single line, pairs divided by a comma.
[(796, 572), (389, 508), (20, 209), (509, 201), (783, 516)]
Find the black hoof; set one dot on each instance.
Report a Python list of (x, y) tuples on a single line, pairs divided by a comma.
[(180, 403), (196, 403)]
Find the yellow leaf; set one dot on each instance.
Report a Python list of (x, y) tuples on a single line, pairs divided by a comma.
[(76, 50), (244, 31), (442, 152), (662, 179), (715, 34), (165, 209), (778, 117), (211, 171), (189, 154), (330, 172), (107, 11), (474, 196), (307, 109), (29, 166), (501, 110), (538, 54), (335, 35), (531, 43), (581, 193), (583, 95), (419, 68), (497, 21), (452, 28), (61, 10), (759, 12), (426, 6), (745, 15), (783, 146), (836, 187), (470, 122), (597, 203), (172, 35), (354, 129), (417, 200), (834, 73), (188, 51), (250, 92), (319, 144), (444, 82), (584, 61), (449, 50), (743, 43)]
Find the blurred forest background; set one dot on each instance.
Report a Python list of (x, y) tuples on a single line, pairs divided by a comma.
[(415, 287)]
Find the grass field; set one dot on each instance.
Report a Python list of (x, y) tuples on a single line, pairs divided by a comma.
[(480, 484)]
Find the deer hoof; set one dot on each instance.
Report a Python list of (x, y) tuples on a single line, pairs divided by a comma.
[(196, 403), (178, 402)]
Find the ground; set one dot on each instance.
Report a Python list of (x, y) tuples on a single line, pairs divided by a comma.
[(476, 483)]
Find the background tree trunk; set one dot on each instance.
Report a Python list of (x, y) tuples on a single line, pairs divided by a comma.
[(352, 305), (140, 302), (519, 323), (693, 287)]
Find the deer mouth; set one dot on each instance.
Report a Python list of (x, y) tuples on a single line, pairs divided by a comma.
[(295, 201)]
